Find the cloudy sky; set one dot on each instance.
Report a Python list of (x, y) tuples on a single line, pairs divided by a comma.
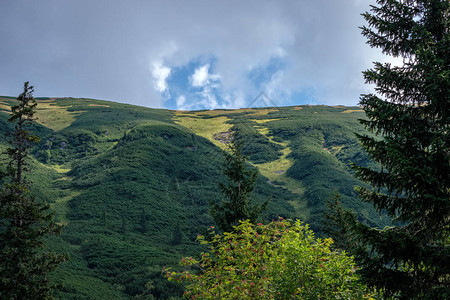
[(186, 54)]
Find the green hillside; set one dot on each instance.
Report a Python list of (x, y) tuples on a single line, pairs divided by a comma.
[(133, 184)]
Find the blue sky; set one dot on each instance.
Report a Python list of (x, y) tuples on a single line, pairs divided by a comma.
[(187, 54)]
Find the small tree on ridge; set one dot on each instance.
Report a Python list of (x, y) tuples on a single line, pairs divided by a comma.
[(24, 262), (237, 204)]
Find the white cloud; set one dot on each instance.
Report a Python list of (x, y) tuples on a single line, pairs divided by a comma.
[(210, 89), (181, 103), (208, 99), (319, 42), (272, 87), (200, 76), (160, 74), (279, 51)]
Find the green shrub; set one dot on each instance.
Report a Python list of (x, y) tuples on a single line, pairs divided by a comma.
[(280, 260)]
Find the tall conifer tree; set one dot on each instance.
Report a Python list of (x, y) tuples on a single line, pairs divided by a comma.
[(410, 113), (24, 262), (237, 204)]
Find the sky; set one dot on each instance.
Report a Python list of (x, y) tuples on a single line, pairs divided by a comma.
[(187, 54)]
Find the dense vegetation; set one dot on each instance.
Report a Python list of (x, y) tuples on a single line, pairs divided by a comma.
[(237, 204), (280, 260), (133, 185), (25, 262), (411, 114)]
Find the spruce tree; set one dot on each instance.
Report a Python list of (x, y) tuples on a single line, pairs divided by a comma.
[(237, 204), (410, 117), (24, 262)]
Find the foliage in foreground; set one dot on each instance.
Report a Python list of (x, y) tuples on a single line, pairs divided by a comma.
[(280, 260), (411, 115)]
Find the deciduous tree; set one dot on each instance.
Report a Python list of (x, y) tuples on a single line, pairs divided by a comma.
[(280, 260)]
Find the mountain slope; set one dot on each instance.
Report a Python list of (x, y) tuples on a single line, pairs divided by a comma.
[(133, 184)]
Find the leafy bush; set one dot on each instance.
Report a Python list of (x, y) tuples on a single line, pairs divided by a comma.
[(280, 260)]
